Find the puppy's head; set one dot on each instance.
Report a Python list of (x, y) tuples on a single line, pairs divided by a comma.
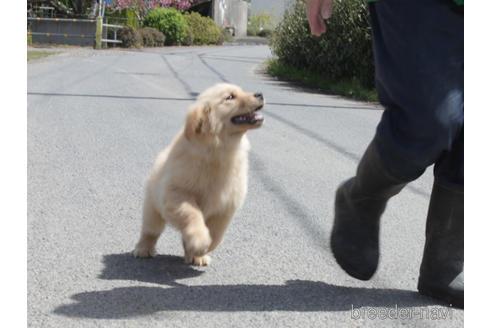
[(224, 110)]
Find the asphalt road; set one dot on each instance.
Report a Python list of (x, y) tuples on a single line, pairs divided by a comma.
[(96, 121)]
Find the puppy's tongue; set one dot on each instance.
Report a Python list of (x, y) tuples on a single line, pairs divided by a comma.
[(256, 116)]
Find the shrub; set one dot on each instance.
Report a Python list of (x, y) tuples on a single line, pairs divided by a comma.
[(227, 35), (203, 29), (266, 33), (129, 37), (220, 39), (188, 39), (344, 52), (258, 23), (151, 37), (170, 22)]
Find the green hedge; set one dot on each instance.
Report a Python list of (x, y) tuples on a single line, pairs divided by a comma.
[(344, 52), (129, 37), (170, 22), (203, 30), (151, 37)]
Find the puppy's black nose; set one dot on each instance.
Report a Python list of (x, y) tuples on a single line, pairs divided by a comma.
[(259, 95)]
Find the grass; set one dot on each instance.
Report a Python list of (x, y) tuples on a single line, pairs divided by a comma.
[(55, 45), (351, 89), (34, 54)]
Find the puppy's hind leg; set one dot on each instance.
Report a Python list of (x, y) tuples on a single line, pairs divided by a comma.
[(152, 227), (217, 225)]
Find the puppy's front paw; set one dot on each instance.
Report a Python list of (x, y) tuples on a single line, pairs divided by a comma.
[(144, 252), (198, 260), (197, 242)]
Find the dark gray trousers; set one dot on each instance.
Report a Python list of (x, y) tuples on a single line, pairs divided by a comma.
[(419, 56)]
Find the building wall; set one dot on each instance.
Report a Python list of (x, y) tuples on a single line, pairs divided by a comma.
[(231, 13)]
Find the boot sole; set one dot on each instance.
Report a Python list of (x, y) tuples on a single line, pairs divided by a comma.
[(349, 269), (456, 301)]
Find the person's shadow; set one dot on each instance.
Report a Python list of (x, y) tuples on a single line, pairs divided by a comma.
[(294, 295)]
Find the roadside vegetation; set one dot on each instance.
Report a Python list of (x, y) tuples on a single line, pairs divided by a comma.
[(340, 61), (262, 24), (347, 88), (171, 27), (37, 54), (202, 30), (150, 23)]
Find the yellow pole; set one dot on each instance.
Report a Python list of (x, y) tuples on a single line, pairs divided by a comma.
[(99, 29)]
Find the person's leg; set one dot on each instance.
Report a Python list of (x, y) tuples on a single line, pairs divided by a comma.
[(442, 268), (418, 50), (359, 204), (419, 56), (441, 76)]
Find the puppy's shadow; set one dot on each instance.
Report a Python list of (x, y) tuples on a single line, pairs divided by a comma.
[(293, 295), (162, 269)]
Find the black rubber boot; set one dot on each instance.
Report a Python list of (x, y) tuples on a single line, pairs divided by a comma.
[(359, 204), (442, 268)]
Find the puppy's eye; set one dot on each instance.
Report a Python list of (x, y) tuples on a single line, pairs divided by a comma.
[(230, 97)]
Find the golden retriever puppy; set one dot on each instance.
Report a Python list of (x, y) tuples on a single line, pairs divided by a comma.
[(199, 181)]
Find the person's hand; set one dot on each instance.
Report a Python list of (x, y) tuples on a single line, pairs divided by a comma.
[(317, 11)]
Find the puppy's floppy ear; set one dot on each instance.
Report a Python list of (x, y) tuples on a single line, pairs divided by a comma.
[(198, 120)]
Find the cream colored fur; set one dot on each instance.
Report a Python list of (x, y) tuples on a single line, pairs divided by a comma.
[(200, 179)]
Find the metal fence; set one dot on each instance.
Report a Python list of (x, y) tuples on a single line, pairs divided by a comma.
[(115, 28), (75, 31)]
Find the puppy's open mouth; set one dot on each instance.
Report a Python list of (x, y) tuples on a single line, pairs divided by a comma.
[(248, 118)]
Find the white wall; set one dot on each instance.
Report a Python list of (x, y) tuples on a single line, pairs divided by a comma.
[(231, 13)]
